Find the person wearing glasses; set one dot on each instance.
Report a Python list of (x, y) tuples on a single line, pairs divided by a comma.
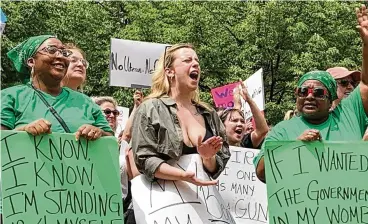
[(172, 121), (108, 106), (78, 65), (43, 105), (346, 82)]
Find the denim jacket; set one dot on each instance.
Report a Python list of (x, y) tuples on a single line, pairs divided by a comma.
[(157, 136)]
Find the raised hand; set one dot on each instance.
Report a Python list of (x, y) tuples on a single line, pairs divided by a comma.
[(310, 135), (244, 91), (38, 127), (138, 98), (89, 132), (361, 14), (210, 147)]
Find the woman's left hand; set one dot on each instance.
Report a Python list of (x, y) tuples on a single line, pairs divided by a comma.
[(210, 147), (89, 132)]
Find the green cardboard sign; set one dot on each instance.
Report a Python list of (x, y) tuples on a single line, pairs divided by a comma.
[(317, 183), (54, 179)]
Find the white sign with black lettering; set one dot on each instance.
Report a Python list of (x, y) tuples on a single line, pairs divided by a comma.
[(132, 62), (256, 90), (241, 190), (179, 202)]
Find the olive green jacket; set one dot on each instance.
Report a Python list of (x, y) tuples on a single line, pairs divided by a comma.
[(157, 136)]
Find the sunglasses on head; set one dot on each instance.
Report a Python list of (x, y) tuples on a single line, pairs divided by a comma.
[(108, 112), (345, 83), (318, 93), (54, 49), (76, 60)]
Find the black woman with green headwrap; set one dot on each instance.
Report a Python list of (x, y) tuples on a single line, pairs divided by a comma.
[(43, 105), (314, 96)]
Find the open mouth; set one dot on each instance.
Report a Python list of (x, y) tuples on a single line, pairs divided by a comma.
[(194, 75), (59, 65), (238, 131), (310, 106)]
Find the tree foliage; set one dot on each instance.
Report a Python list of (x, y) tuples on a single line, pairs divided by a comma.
[(233, 39)]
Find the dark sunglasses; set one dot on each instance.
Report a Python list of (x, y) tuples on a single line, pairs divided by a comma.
[(54, 49), (114, 112), (318, 93), (345, 83), (76, 60)]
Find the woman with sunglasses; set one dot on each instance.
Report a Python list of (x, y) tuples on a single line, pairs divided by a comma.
[(172, 121), (315, 93), (108, 106), (78, 65)]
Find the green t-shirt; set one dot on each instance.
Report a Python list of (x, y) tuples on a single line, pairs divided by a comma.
[(346, 122), (20, 105)]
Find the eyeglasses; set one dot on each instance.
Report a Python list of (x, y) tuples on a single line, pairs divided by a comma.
[(318, 93), (345, 82), (114, 112), (54, 49), (76, 60)]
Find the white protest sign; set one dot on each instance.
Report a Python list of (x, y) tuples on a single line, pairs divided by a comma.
[(179, 202), (122, 119), (132, 62), (256, 90), (241, 190)]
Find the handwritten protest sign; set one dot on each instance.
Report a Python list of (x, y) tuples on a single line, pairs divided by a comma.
[(241, 190), (52, 179), (317, 182), (223, 95), (256, 90), (132, 62), (164, 202)]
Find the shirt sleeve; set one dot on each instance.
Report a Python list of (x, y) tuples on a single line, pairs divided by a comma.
[(7, 110), (276, 134), (145, 143), (100, 120), (354, 104)]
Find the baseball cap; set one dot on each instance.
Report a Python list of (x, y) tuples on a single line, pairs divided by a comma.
[(342, 72)]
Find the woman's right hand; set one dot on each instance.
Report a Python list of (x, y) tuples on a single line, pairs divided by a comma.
[(190, 177), (38, 127), (310, 135)]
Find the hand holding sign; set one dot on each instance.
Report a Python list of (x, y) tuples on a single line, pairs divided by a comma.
[(244, 92), (38, 127), (210, 147), (310, 135), (89, 132)]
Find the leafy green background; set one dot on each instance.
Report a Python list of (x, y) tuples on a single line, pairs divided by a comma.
[(233, 39)]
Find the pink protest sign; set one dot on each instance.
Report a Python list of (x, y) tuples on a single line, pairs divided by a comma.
[(223, 95)]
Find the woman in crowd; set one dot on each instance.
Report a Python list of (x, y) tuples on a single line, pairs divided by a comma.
[(172, 121), (108, 106), (76, 74), (237, 130)]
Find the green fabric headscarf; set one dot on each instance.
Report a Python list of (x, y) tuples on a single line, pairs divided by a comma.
[(325, 78), (25, 50)]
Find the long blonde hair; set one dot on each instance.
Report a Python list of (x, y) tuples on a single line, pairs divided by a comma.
[(160, 82)]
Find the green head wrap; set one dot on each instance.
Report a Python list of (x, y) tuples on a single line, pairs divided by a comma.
[(325, 78), (25, 50)]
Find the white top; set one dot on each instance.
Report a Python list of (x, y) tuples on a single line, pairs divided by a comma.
[(123, 168)]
